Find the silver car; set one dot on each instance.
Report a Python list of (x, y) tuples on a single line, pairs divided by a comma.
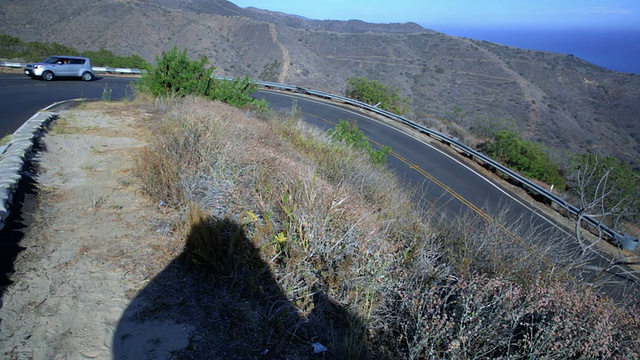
[(61, 66)]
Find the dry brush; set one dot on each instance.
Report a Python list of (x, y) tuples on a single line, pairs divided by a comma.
[(361, 267)]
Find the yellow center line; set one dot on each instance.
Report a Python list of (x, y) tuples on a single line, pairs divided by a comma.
[(466, 202), (452, 192), (472, 206), (446, 188)]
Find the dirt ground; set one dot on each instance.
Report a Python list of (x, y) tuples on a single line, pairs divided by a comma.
[(94, 244)]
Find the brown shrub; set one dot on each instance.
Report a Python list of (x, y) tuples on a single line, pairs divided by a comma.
[(493, 318), (363, 268)]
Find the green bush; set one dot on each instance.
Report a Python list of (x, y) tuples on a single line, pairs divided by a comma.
[(37, 51), (350, 134), (373, 92), (9, 46), (106, 58), (12, 47), (525, 156), (236, 92), (175, 74)]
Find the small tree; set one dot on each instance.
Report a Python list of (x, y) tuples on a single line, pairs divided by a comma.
[(377, 93), (175, 74), (528, 157), (607, 189)]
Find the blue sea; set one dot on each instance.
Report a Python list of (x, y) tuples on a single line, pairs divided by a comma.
[(617, 50)]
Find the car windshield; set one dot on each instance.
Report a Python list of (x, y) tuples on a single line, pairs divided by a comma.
[(51, 60)]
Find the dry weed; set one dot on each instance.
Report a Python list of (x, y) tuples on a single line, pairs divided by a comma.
[(357, 264)]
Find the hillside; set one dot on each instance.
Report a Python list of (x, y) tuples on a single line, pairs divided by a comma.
[(559, 100)]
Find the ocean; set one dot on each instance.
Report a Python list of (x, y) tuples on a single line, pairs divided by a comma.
[(617, 50)]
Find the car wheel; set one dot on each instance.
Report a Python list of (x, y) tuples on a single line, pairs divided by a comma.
[(47, 76), (87, 76)]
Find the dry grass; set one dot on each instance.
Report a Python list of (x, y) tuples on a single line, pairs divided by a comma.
[(273, 210)]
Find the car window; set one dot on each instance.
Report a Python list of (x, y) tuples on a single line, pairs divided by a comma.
[(77, 61), (51, 60)]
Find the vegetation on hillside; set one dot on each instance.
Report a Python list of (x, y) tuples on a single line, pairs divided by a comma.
[(350, 134), (305, 239), (574, 103), (606, 187), (14, 48), (525, 156), (374, 92), (174, 74)]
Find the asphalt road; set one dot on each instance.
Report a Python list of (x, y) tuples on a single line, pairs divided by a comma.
[(438, 178), (22, 96)]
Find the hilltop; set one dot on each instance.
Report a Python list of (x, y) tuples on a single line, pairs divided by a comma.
[(560, 100)]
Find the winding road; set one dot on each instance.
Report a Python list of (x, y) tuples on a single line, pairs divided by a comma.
[(437, 176)]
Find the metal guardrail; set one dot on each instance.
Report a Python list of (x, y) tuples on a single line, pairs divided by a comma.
[(623, 240), (111, 70), (11, 64)]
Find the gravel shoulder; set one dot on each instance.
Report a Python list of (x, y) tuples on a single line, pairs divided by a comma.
[(95, 241)]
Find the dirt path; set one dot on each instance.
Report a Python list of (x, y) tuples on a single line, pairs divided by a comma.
[(94, 244), (286, 58), (531, 93)]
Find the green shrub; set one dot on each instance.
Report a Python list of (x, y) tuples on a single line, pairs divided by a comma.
[(350, 134), (374, 92), (37, 51), (9, 46), (175, 74), (12, 47), (106, 58), (525, 156), (236, 92)]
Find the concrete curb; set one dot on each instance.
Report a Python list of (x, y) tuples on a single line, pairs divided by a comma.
[(14, 155)]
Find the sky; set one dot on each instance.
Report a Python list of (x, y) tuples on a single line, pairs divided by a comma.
[(435, 14)]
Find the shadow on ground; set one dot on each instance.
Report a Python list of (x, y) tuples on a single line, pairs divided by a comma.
[(226, 304), (19, 221)]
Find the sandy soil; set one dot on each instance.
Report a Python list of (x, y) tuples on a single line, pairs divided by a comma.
[(95, 243)]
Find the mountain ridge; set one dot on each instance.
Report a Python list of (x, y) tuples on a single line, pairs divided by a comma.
[(559, 100)]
